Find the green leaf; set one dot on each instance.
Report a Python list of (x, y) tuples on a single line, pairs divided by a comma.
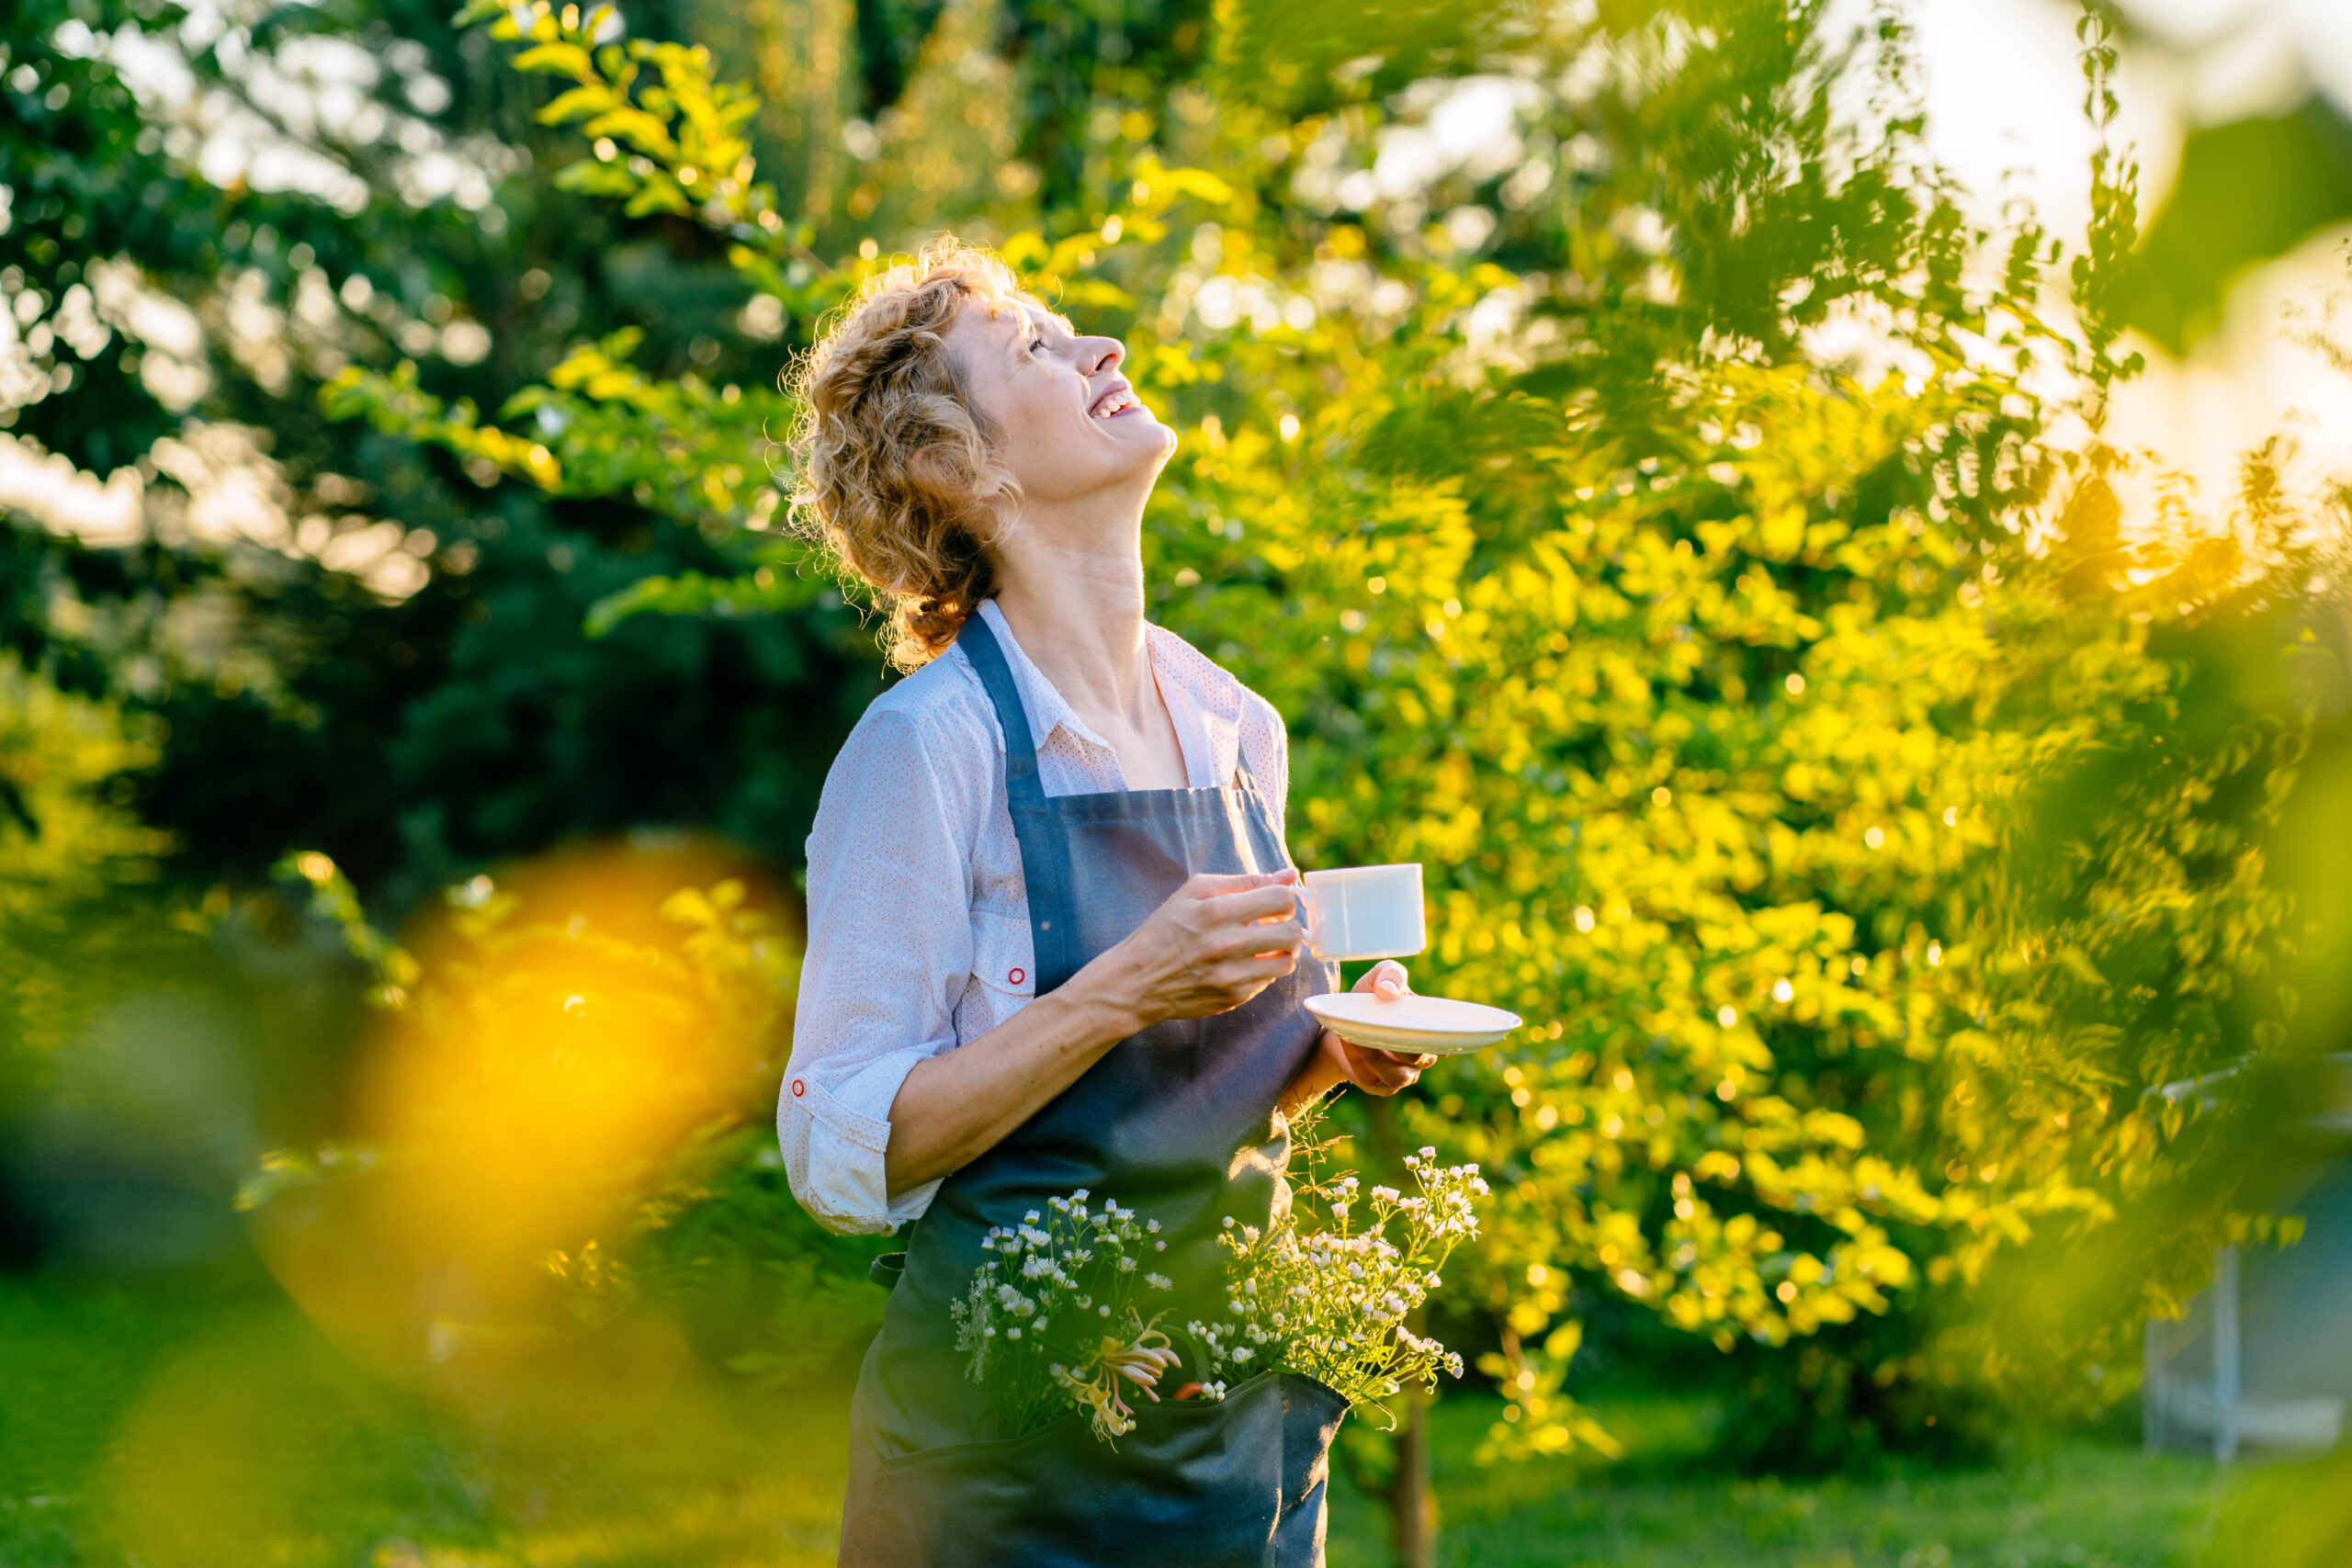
[(692, 593), (590, 99), (557, 58)]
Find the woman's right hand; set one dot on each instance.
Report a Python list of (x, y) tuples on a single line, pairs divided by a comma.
[(1218, 942)]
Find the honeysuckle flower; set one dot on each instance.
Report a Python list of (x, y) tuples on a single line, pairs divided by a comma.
[(1139, 1360)]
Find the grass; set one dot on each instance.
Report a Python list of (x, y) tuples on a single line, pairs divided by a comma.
[(2086, 1503), (207, 1422)]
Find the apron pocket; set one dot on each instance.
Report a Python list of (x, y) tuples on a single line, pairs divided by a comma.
[(1198, 1483), (1235, 1483), (992, 1503), (1312, 1411)]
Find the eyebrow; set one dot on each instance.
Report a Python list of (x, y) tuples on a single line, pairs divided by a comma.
[(1033, 324)]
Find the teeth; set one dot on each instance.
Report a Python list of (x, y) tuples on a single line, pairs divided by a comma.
[(1113, 402)]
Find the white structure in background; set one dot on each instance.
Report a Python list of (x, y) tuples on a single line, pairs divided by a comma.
[(2264, 1357)]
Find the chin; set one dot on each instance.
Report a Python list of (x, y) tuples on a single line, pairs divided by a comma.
[(1148, 446)]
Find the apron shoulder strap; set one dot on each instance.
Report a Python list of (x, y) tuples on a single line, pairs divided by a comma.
[(979, 645)]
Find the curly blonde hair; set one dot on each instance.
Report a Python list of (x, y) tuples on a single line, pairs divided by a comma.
[(895, 474)]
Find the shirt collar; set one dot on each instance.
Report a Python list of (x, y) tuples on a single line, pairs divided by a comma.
[(1208, 727), (1040, 701)]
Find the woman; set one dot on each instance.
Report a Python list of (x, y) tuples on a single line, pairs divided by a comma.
[(1053, 939)]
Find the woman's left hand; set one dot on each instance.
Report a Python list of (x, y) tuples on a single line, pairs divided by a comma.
[(1338, 1060), (1370, 1069)]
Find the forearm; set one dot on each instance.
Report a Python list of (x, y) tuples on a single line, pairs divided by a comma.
[(1216, 943), (1322, 1073), (952, 1109)]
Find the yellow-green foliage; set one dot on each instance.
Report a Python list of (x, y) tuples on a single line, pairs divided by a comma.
[(1743, 750), (1690, 749), (65, 835), (67, 840), (1738, 701)]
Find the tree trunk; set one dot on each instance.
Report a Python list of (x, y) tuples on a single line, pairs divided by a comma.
[(1410, 1522), (1412, 1513)]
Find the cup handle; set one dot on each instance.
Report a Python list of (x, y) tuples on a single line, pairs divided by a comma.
[(1306, 897)]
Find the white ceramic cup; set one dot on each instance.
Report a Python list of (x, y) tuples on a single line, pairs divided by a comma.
[(1366, 911)]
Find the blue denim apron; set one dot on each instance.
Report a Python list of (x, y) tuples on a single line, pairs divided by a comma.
[(1178, 1122)]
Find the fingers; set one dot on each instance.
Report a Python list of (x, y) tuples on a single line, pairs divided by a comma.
[(1236, 981), (1254, 974), (1274, 936), (1217, 884), (1386, 980), (1380, 1072), (1252, 904)]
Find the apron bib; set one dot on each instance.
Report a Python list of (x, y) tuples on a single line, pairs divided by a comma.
[(1178, 1122)]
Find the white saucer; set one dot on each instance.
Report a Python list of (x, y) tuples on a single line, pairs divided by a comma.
[(1429, 1024)]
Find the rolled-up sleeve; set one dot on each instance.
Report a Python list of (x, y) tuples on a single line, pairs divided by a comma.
[(889, 954)]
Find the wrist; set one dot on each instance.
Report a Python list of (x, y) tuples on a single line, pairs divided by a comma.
[(1323, 1072), (1103, 1005)]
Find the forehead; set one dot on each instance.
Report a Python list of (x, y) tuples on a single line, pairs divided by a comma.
[(1011, 319)]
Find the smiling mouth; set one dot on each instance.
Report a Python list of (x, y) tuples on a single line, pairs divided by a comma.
[(1114, 402)]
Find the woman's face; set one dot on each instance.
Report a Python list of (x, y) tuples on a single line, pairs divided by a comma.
[(1067, 425)]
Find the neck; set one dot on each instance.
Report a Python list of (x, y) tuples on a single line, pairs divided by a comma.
[(1072, 589)]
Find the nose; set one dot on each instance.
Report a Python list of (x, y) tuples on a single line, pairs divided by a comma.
[(1106, 354)]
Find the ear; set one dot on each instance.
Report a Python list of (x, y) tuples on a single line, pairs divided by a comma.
[(995, 508)]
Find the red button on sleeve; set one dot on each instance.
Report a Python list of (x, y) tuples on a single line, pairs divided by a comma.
[(1016, 977), (798, 1089)]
